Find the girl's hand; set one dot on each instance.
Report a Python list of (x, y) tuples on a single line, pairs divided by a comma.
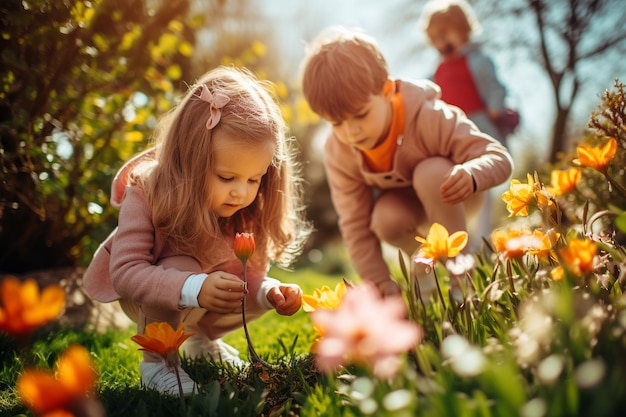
[(286, 298), (221, 292), (457, 186)]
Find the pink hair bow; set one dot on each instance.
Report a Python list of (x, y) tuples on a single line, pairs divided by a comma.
[(216, 102)]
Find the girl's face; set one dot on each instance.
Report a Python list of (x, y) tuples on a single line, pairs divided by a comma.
[(236, 176), (369, 126)]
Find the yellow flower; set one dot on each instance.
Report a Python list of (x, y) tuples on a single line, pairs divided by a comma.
[(324, 298), (516, 243), (521, 196), (23, 308), (439, 245), (160, 338), (596, 157), (578, 256), (545, 243), (48, 393), (562, 182)]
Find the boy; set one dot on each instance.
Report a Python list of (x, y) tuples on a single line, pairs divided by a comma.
[(398, 158)]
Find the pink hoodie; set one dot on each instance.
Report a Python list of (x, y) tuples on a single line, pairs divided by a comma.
[(126, 263)]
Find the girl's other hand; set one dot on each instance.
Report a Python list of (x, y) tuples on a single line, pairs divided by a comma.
[(221, 292), (286, 298)]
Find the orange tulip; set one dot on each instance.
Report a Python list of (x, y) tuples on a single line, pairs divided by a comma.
[(596, 157), (562, 182), (160, 338), (244, 246), (24, 308), (440, 245), (52, 394)]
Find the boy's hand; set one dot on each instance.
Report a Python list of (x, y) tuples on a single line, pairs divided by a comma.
[(457, 185), (389, 288), (221, 292), (286, 298)]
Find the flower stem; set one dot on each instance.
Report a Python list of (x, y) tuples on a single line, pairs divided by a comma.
[(255, 357), (443, 301)]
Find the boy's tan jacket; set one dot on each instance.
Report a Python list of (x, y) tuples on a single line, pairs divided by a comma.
[(432, 128)]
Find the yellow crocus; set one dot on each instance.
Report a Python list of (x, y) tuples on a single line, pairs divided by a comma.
[(440, 245), (324, 298)]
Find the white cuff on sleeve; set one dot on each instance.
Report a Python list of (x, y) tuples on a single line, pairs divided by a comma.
[(261, 296), (191, 290)]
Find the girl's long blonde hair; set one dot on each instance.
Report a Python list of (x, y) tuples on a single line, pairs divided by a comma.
[(177, 182)]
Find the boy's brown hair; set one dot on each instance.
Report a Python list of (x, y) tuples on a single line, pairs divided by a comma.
[(341, 70)]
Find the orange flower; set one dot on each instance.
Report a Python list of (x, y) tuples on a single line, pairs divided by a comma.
[(521, 196), (161, 339), (439, 245), (562, 182), (51, 394), (24, 308), (578, 256), (244, 246), (324, 298), (545, 241), (596, 157)]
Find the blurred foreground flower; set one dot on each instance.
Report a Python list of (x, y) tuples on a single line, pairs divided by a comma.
[(439, 245), (515, 243), (64, 392), (161, 339), (578, 256), (365, 329), (23, 308)]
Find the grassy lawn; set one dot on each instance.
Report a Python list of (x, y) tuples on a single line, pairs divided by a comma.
[(277, 339)]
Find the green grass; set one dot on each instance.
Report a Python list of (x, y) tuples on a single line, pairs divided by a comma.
[(277, 339)]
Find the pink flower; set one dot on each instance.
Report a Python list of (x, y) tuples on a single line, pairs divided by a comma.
[(365, 329)]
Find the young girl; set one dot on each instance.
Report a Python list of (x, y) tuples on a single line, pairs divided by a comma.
[(397, 158), (221, 164)]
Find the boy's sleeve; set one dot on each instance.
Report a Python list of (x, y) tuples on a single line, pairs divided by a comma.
[(449, 133), (353, 200)]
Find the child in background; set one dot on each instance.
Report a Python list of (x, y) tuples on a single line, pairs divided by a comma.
[(221, 164), (398, 158), (466, 75)]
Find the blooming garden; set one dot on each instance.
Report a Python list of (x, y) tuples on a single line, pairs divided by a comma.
[(538, 330)]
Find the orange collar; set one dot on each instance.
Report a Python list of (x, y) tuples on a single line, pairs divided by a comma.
[(380, 158)]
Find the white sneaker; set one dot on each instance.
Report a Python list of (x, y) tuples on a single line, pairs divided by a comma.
[(162, 378), (199, 346)]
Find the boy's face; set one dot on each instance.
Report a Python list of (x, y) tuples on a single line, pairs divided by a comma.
[(447, 39), (369, 126)]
